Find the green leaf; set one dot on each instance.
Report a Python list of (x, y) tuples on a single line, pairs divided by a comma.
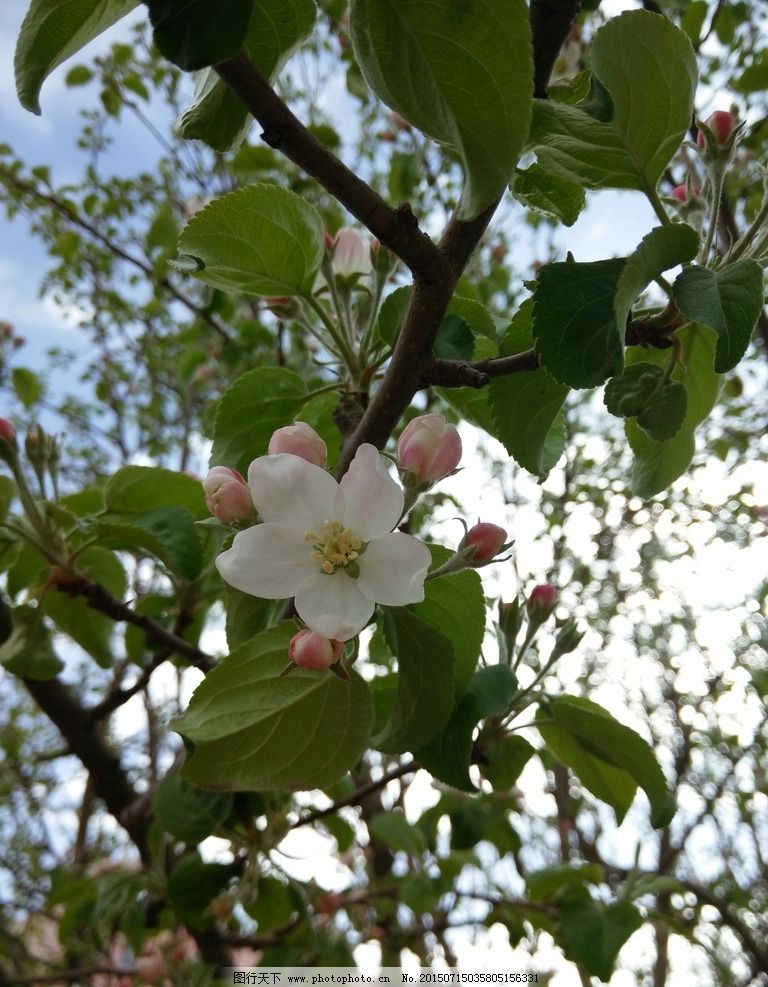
[(506, 759), (52, 31), (476, 316), (554, 883), (247, 616), (135, 490), (91, 630), (455, 606), (664, 247), (594, 934), (527, 406), (425, 682), (252, 728), (275, 904), (454, 339), (549, 193), (448, 755), (643, 61), (577, 337), (262, 239), (193, 885), (604, 737), (430, 68), (644, 393), (28, 652), (611, 785), (196, 33), (249, 412), (217, 116), (188, 813), (658, 464), (394, 829), (169, 533), (26, 385), (729, 301)]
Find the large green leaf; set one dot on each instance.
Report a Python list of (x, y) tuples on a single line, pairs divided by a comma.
[(217, 116), (648, 67), (52, 31), (189, 813), (527, 406), (135, 490), (249, 412), (193, 885), (604, 737), (611, 785), (262, 239), (728, 300), (658, 464), (549, 193), (460, 72), (574, 321), (29, 651), (449, 754), (252, 728), (593, 933), (425, 683), (169, 533), (196, 33)]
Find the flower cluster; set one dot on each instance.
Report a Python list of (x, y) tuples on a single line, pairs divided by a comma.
[(332, 546)]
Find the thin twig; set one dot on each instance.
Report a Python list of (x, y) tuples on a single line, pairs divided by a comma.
[(358, 794)]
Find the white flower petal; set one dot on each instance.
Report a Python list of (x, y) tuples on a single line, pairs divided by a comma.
[(268, 560), (288, 488), (392, 569), (333, 605), (369, 501)]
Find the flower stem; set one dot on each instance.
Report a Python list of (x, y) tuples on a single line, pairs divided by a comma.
[(344, 349)]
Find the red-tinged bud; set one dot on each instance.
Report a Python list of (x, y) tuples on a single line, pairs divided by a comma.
[(19, 341), (151, 968), (279, 304), (7, 431), (542, 600), (227, 496), (299, 440), (721, 123), (498, 252), (486, 541), (680, 192), (428, 450), (389, 136), (203, 374), (6, 329), (308, 649), (329, 903), (327, 240), (383, 260)]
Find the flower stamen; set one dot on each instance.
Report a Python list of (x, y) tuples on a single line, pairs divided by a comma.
[(335, 547)]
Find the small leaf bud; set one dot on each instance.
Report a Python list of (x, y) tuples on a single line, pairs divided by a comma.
[(299, 440), (428, 450), (568, 638), (227, 496), (308, 649)]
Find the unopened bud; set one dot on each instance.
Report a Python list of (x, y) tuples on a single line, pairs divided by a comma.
[(299, 440), (382, 259), (308, 649), (485, 540), (7, 431), (428, 450), (542, 601), (227, 496), (721, 125), (568, 638), (351, 254)]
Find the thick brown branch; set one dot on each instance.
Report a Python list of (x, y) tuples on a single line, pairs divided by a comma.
[(28, 188), (396, 228), (110, 781), (458, 373), (551, 21), (98, 598)]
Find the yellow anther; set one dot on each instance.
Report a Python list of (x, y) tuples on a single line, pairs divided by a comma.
[(335, 546)]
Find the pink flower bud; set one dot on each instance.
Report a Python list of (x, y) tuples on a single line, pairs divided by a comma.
[(486, 541), (299, 440), (429, 449), (351, 253), (721, 123), (227, 496), (7, 431), (680, 192), (307, 649), (542, 600)]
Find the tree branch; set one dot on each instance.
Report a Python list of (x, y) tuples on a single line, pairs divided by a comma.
[(460, 373), (551, 22), (98, 598), (397, 772), (28, 188), (110, 781), (396, 228)]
